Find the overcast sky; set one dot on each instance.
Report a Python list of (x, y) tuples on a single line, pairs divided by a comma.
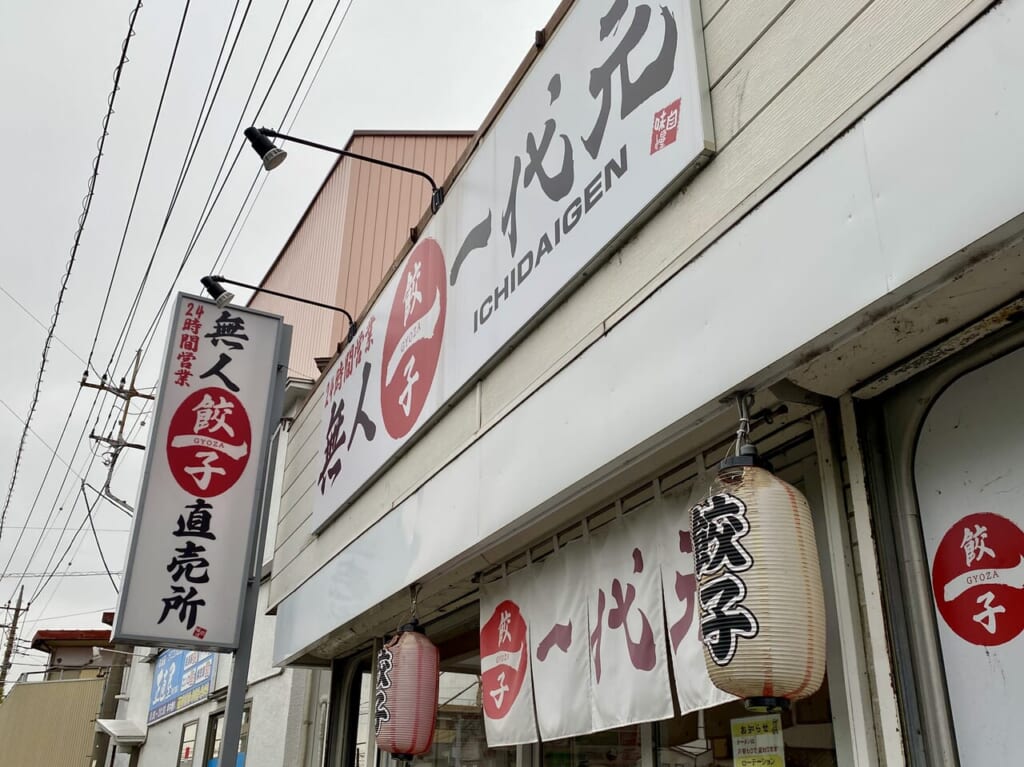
[(394, 64)]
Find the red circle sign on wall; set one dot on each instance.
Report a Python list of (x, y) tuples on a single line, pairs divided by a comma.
[(504, 659), (978, 579), (208, 442), (412, 343)]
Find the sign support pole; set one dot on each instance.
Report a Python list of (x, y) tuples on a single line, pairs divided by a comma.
[(238, 686)]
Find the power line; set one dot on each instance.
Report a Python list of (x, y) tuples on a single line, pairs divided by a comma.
[(186, 165), (42, 484), (67, 615), (39, 322), (39, 589), (95, 537), (72, 574), (86, 207), (34, 433), (217, 266), (142, 173), (54, 506), (138, 296), (167, 77), (208, 212)]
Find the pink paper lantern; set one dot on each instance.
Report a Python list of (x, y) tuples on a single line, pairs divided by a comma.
[(406, 694)]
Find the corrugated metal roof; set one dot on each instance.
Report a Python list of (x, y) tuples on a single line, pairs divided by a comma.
[(49, 724)]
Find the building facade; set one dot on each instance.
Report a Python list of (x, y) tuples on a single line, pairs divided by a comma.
[(840, 238)]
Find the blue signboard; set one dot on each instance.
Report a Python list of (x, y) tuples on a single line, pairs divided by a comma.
[(181, 678)]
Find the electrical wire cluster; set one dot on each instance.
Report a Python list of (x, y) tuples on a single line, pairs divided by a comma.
[(74, 489)]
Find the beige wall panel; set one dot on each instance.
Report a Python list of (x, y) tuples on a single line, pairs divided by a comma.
[(303, 441), (293, 533), (49, 724), (739, 25), (789, 45), (710, 8), (302, 455), (308, 267), (299, 556), (819, 99), (349, 259), (299, 498)]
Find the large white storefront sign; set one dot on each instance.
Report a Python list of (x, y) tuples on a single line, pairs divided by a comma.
[(601, 617), (967, 476), (609, 118), (198, 507)]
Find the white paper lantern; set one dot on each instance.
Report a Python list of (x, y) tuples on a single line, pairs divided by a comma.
[(762, 611)]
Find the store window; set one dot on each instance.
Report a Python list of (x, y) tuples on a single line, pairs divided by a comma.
[(621, 747), (215, 735), (187, 746), (717, 737), (459, 740)]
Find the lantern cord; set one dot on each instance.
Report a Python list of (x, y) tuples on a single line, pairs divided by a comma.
[(414, 595), (743, 401)]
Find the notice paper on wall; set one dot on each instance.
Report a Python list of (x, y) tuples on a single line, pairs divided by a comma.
[(757, 741)]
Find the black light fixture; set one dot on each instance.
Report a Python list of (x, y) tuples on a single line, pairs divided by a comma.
[(273, 156), (222, 297)]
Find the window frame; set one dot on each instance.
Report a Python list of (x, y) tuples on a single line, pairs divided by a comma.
[(211, 741), (181, 740)]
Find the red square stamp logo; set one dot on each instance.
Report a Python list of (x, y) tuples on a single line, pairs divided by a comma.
[(199, 632), (666, 126)]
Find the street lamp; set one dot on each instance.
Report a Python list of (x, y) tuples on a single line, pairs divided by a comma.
[(273, 156), (222, 297)]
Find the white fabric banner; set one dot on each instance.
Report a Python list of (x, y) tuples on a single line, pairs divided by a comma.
[(628, 657), (559, 641), (505, 676), (693, 685)]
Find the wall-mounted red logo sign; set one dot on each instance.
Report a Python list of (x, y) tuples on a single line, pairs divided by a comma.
[(504, 659), (208, 442), (978, 579), (412, 344)]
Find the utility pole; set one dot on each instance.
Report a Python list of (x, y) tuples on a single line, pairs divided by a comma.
[(12, 635), (116, 444)]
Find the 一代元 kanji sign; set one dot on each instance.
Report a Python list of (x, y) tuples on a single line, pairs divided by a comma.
[(609, 119), (198, 508)]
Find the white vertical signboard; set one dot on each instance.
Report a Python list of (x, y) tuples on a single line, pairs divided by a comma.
[(629, 677), (198, 508), (560, 642), (609, 119)]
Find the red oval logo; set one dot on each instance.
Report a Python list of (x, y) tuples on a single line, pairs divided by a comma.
[(978, 579), (208, 442), (412, 343), (504, 659)]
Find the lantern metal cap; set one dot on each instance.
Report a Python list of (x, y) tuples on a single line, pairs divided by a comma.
[(767, 705), (748, 456), (413, 625)]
